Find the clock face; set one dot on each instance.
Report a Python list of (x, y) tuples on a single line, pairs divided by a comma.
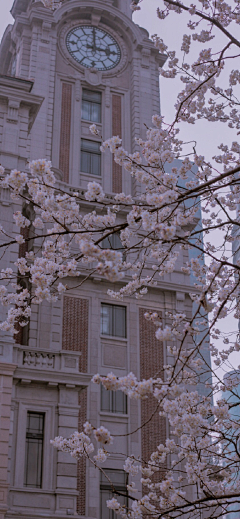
[(93, 48)]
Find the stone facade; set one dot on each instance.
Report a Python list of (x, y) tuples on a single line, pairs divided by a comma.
[(47, 372)]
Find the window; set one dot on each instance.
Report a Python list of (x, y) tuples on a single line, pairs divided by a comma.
[(90, 157), (14, 66), (91, 106), (112, 242), (34, 450), (113, 320), (113, 401), (119, 480)]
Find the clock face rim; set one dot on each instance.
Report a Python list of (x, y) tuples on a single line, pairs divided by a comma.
[(100, 29)]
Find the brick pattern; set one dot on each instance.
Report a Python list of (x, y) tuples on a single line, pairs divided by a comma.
[(75, 328), (135, 115), (23, 248), (116, 130), (151, 363), (81, 467), (65, 130)]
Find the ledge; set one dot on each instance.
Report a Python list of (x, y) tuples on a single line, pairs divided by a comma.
[(16, 82), (28, 375)]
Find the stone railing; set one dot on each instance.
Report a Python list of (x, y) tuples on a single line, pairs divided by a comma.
[(62, 361), (38, 359)]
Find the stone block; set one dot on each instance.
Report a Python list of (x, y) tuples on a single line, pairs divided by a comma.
[(66, 482), (67, 469)]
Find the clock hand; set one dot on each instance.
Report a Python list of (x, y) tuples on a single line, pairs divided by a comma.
[(107, 51), (94, 40)]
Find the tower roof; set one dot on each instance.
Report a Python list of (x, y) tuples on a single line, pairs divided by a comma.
[(20, 6)]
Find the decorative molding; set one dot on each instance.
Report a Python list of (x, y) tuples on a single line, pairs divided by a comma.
[(46, 376), (93, 76), (13, 109), (146, 56), (7, 369), (95, 19), (107, 97), (78, 90)]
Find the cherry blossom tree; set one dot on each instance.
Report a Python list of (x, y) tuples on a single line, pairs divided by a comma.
[(200, 459)]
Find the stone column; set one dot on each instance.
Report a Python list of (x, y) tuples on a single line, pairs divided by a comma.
[(66, 491), (6, 381)]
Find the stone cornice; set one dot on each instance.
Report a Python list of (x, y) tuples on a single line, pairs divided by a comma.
[(18, 84), (18, 92), (28, 375), (7, 368)]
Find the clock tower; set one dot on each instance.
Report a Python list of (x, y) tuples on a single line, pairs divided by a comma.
[(91, 63), (61, 71)]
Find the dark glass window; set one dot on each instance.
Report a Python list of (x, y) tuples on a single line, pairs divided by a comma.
[(91, 106), (34, 450), (14, 66), (113, 242), (113, 401), (90, 157), (113, 320), (119, 480)]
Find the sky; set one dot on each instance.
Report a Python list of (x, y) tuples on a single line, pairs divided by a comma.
[(5, 16), (207, 135)]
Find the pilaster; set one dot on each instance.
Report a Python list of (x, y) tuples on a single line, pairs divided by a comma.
[(66, 481), (6, 382)]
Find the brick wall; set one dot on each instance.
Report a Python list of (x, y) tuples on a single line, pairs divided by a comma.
[(151, 364), (81, 467), (22, 336), (116, 130), (75, 328), (65, 130), (75, 338)]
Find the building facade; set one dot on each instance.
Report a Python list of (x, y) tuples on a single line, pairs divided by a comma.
[(86, 62)]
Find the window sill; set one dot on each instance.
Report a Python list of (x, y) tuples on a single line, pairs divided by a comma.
[(32, 490), (108, 414), (91, 122), (113, 338), (91, 175)]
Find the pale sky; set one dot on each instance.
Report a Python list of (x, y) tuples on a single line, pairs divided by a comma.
[(5, 16)]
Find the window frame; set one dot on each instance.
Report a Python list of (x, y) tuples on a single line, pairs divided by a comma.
[(92, 104), (90, 155), (20, 415), (113, 402), (32, 436), (105, 486), (112, 326)]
